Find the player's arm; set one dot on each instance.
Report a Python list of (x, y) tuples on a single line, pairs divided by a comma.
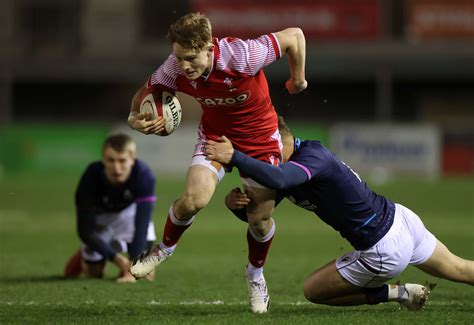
[(144, 190), (284, 176), (86, 223), (142, 122), (293, 42), (281, 177), (142, 221), (85, 199)]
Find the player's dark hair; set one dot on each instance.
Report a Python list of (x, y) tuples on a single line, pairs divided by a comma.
[(283, 128), (120, 142), (191, 31)]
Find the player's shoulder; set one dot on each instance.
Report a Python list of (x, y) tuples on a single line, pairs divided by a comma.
[(311, 147), (142, 179), (235, 42), (141, 169), (94, 168), (167, 73), (311, 150)]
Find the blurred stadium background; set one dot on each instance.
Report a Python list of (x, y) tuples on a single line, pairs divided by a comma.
[(391, 91), (400, 72)]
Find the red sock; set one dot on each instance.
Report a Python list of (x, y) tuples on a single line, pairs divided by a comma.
[(73, 266), (258, 250), (174, 228)]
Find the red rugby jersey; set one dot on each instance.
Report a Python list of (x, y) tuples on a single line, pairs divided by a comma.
[(234, 97)]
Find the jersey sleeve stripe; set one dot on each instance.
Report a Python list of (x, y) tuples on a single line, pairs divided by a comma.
[(247, 57), (302, 167), (276, 45), (146, 199)]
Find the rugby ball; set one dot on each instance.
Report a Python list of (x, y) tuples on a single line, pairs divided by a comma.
[(161, 102)]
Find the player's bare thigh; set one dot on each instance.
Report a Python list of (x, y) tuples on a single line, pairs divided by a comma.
[(260, 208), (326, 283), (446, 265), (201, 182)]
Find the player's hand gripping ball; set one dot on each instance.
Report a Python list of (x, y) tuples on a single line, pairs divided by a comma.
[(160, 102)]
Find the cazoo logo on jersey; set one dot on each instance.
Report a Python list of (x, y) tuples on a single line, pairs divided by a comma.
[(227, 101)]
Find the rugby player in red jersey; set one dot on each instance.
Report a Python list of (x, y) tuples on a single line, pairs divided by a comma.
[(226, 77)]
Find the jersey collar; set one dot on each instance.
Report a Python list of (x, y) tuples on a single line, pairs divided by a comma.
[(297, 142)]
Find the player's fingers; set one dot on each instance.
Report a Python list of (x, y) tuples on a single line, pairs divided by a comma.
[(140, 116), (156, 128), (223, 139)]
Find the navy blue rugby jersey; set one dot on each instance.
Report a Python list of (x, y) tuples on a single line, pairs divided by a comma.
[(96, 193), (316, 180)]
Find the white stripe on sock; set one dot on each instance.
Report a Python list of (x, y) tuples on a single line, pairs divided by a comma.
[(267, 237), (177, 221)]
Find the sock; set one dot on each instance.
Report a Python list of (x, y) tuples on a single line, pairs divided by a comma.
[(377, 295), (258, 250), (397, 293), (254, 273), (174, 228)]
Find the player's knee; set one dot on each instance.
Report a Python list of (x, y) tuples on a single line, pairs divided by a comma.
[(312, 294), (316, 289), (260, 227), (190, 204)]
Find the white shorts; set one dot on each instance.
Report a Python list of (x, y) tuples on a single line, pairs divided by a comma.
[(407, 242), (199, 158), (117, 229)]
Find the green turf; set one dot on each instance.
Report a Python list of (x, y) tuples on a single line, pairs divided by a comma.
[(203, 282)]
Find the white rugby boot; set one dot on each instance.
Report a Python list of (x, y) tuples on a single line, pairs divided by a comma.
[(147, 261), (259, 299), (414, 296)]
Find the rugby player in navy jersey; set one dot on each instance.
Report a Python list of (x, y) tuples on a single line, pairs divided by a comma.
[(114, 204), (386, 236)]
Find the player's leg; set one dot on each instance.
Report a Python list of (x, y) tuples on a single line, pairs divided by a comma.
[(327, 286), (73, 266), (432, 256), (201, 181), (259, 238), (94, 269), (92, 263), (446, 265), (359, 277)]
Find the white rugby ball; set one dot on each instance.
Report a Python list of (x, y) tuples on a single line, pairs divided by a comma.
[(160, 102)]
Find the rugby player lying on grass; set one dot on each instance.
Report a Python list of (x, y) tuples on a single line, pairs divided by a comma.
[(386, 236), (114, 204)]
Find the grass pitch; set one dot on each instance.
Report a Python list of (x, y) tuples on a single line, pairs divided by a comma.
[(203, 282)]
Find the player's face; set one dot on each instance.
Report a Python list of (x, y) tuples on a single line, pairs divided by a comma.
[(118, 165), (193, 62)]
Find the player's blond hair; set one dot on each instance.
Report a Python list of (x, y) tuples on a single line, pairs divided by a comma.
[(120, 142), (191, 31)]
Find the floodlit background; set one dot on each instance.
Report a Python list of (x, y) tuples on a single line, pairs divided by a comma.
[(400, 72), (391, 91)]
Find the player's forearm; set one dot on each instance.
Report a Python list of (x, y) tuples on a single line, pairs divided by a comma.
[(135, 104), (142, 221), (85, 228), (270, 176), (296, 51)]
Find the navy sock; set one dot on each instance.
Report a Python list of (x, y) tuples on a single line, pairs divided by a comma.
[(376, 295)]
